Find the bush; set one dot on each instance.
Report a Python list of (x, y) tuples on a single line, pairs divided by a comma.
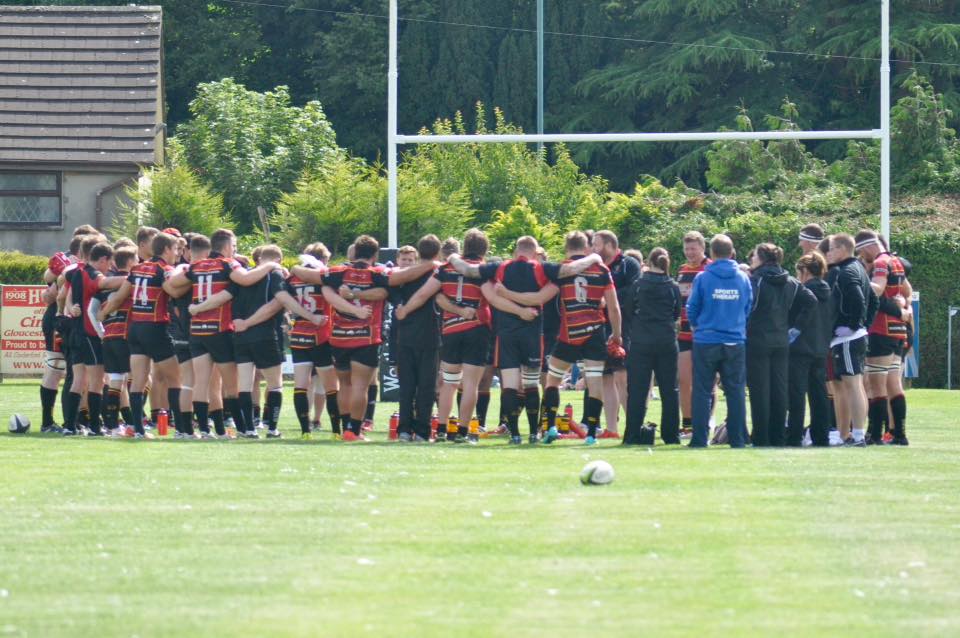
[(175, 198), (349, 198), (519, 220), (17, 268), (252, 147), (493, 177)]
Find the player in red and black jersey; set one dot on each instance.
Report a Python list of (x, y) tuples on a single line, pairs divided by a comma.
[(211, 271), (583, 296), (255, 341), (519, 342), (886, 337), (356, 293), (310, 344), (465, 331), (56, 364), (86, 282), (116, 352), (694, 249), (147, 335)]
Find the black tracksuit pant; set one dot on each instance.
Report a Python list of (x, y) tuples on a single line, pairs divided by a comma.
[(661, 360), (767, 381), (808, 378), (417, 373)]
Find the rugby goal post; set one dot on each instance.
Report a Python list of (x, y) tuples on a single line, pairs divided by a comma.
[(883, 133)]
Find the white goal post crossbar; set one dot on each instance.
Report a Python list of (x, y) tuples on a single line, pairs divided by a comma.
[(883, 133)]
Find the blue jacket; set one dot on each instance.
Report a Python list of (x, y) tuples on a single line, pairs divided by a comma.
[(720, 303)]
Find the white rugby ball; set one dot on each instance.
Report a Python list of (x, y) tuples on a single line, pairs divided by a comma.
[(19, 424), (596, 473)]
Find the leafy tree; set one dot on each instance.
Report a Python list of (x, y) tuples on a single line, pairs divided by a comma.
[(173, 197), (252, 147), (493, 176), (519, 220), (349, 198)]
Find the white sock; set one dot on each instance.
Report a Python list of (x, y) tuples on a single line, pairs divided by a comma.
[(857, 435)]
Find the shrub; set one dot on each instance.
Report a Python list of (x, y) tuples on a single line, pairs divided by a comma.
[(174, 198), (17, 268), (349, 198)]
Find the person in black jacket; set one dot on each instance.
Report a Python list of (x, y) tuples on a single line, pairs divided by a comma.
[(652, 308), (855, 305), (808, 356), (778, 302)]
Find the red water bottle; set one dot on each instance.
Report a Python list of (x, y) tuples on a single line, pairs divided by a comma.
[(568, 413), (434, 424), (394, 424), (163, 422)]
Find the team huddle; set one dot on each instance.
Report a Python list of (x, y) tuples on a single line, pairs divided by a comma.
[(186, 325)]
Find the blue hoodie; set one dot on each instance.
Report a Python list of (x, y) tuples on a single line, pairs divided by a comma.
[(719, 304)]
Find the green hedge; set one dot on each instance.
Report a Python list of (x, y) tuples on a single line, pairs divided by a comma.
[(17, 268)]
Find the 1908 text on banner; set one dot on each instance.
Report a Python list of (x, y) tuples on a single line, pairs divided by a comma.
[(21, 330)]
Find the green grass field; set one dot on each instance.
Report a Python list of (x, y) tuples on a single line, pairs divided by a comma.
[(286, 538)]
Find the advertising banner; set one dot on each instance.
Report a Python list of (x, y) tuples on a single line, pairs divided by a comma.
[(21, 331)]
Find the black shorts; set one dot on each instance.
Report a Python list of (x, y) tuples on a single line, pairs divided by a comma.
[(116, 356), (471, 347), (881, 346), (182, 348), (263, 354), (684, 346), (151, 340), (519, 349), (848, 358), (219, 346), (51, 340), (364, 355), (549, 343), (85, 350), (63, 327), (593, 349), (320, 356)]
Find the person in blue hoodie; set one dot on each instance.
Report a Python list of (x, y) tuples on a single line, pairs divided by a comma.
[(717, 309)]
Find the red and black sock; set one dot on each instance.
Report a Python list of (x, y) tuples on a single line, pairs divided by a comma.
[(594, 409), (531, 402), (898, 405), (48, 399), (511, 407), (217, 417), (111, 409), (333, 411), (483, 403), (201, 410), (551, 404), (301, 405), (183, 422), (93, 407), (245, 411), (232, 405), (876, 414), (136, 411), (272, 411), (71, 408), (586, 401)]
